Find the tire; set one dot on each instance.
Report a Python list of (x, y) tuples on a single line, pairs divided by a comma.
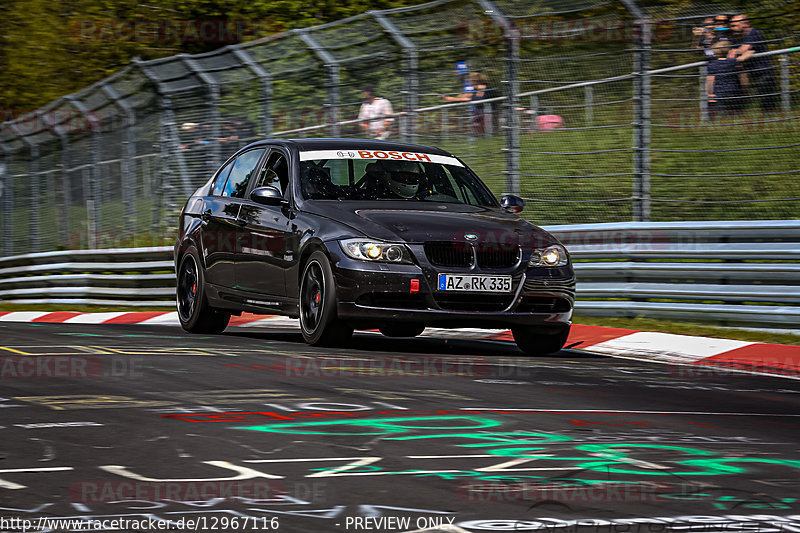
[(318, 321), (402, 329), (194, 313), (537, 342)]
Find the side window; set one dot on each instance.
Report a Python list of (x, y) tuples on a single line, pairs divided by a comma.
[(219, 183), (241, 172), (275, 172)]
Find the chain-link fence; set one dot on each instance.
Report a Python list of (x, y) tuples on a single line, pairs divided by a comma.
[(591, 110)]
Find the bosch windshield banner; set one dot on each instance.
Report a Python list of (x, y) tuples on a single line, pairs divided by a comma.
[(316, 155)]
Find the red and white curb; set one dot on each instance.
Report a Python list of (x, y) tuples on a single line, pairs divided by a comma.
[(774, 359)]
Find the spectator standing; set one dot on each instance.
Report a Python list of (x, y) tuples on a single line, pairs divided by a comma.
[(482, 92), (373, 108), (478, 89), (722, 82), (759, 70), (704, 37), (463, 73), (722, 28)]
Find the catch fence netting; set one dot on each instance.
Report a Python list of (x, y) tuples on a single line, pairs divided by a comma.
[(591, 110)]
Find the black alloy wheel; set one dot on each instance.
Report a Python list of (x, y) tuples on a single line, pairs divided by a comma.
[(318, 321), (187, 288), (194, 313)]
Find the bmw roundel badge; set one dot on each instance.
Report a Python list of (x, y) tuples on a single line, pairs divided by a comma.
[(471, 237)]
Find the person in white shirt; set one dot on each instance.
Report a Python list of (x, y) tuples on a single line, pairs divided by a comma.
[(374, 107)]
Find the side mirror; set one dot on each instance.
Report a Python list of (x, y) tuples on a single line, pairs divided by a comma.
[(267, 195), (512, 203)]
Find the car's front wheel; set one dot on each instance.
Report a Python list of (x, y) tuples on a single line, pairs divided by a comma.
[(535, 341), (194, 313), (318, 321)]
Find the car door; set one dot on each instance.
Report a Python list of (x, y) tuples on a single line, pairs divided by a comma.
[(221, 217), (218, 232), (263, 248)]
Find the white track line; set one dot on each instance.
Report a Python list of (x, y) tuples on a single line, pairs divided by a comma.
[(675, 348)]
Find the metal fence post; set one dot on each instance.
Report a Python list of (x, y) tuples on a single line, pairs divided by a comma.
[(332, 65), (91, 220), (6, 200), (65, 185), (589, 103), (66, 189), (266, 87), (93, 193), (169, 132), (213, 105), (166, 140), (641, 112), (411, 76), (704, 116), (534, 112), (786, 93), (34, 190), (512, 60), (641, 98), (513, 126), (128, 162)]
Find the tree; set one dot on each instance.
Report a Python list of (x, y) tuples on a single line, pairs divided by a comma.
[(50, 48)]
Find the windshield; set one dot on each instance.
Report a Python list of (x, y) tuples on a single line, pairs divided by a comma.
[(387, 179)]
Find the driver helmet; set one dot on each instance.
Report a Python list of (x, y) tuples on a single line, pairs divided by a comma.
[(401, 177)]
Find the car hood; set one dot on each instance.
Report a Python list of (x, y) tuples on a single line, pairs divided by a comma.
[(419, 222)]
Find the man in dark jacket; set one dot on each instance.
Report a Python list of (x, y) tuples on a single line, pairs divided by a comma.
[(760, 74)]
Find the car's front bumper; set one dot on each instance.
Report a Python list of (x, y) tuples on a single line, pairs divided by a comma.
[(374, 293)]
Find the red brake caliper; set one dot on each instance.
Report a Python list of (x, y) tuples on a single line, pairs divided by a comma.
[(316, 298)]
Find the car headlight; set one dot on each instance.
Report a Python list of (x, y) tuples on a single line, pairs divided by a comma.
[(376, 251), (552, 256)]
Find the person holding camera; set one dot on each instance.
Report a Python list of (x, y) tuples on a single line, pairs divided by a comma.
[(704, 37)]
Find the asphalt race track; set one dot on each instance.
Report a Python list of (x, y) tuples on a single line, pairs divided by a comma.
[(253, 430)]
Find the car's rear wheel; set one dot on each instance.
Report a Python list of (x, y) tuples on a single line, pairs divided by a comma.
[(194, 313), (536, 341), (318, 321), (402, 330)]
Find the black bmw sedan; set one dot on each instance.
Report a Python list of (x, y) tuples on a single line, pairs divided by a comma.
[(351, 234)]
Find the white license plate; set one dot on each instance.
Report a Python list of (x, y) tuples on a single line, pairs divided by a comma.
[(471, 283)]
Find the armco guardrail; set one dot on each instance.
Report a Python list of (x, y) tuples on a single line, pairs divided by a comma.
[(738, 273), (142, 277)]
